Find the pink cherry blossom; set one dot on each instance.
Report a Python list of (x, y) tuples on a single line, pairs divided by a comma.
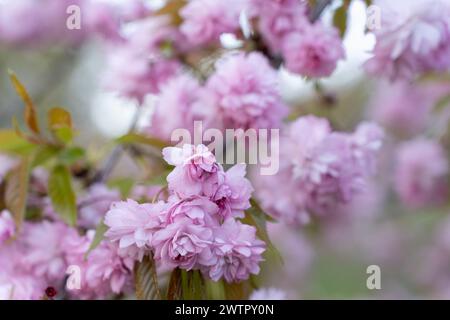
[(205, 20), (132, 225), (268, 294), (278, 18), (238, 252), (314, 52), (413, 39), (44, 247), (245, 88), (196, 171), (233, 195), (200, 210), (421, 173), (139, 66), (181, 97), (103, 271), (94, 205), (184, 244), (325, 168)]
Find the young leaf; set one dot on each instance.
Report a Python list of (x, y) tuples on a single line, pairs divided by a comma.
[(16, 190), (30, 111), (146, 279), (174, 291), (70, 155), (60, 124), (98, 237), (62, 195), (11, 142), (43, 154), (58, 117), (215, 289), (192, 285)]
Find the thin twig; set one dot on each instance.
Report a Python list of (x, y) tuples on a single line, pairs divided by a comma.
[(114, 157), (318, 9)]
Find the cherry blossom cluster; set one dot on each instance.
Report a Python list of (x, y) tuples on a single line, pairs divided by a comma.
[(319, 169), (414, 38), (241, 93), (197, 228), (41, 253), (45, 22), (155, 53)]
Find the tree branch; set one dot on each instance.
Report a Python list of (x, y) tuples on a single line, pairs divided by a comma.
[(318, 9), (114, 157)]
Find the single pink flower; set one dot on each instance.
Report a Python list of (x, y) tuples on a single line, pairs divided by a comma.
[(245, 89), (314, 52)]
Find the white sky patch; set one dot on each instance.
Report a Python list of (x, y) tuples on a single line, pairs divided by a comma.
[(111, 114)]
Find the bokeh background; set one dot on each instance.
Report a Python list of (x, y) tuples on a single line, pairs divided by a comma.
[(411, 246)]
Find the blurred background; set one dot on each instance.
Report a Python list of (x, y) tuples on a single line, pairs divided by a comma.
[(411, 246)]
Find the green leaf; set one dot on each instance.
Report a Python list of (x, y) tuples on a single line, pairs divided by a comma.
[(192, 284), (98, 237), (215, 289), (16, 190), (146, 279), (62, 195), (44, 154), (11, 142), (60, 124), (142, 139), (70, 155)]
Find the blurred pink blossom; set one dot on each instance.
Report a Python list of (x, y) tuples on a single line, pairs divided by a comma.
[(414, 38), (278, 18), (181, 97), (314, 52), (325, 168), (103, 271), (245, 87), (421, 173), (268, 294), (205, 20), (44, 249), (94, 205)]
